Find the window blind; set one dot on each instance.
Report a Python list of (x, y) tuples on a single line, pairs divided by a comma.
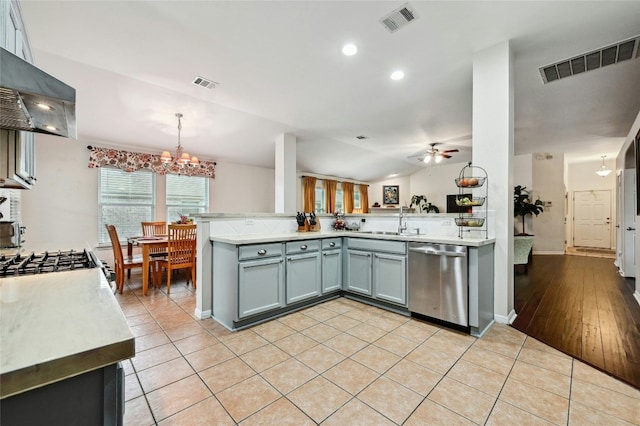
[(125, 199), (186, 194)]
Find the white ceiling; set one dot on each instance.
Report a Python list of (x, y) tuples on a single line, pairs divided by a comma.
[(280, 69)]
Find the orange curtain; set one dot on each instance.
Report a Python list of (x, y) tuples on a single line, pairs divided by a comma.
[(364, 198), (347, 193), (309, 190), (330, 195)]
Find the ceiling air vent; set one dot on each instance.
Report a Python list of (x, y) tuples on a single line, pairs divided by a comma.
[(398, 18), (618, 52), (201, 81)]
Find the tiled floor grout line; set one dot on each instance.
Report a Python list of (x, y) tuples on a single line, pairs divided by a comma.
[(147, 304)]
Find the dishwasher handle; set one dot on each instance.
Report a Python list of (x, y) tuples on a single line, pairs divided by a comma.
[(433, 252)]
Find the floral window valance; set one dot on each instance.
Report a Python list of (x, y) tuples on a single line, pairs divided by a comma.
[(132, 161)]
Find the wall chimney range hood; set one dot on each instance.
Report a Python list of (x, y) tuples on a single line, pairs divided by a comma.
[(34, 101)]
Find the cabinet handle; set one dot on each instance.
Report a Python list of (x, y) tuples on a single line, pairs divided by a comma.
[(332, 244), (289, 259), (303, 247), (262, 252)]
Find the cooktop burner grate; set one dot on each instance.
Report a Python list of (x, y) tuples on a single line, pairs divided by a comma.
[(46, 262)]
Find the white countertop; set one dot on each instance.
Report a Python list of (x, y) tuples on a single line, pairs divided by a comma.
[(58, 325), (267, 238)]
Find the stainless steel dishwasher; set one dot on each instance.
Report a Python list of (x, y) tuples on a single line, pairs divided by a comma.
[(438, 282)]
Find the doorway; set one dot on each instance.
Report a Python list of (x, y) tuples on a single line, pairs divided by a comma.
[(592, 218)]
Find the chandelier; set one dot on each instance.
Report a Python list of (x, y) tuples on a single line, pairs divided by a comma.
[(181, 158), (603, 170)]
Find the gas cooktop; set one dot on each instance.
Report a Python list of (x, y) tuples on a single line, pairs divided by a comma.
[(21, 264)]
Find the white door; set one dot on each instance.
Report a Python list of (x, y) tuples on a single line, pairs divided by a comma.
[(592, 219), (628, 225)]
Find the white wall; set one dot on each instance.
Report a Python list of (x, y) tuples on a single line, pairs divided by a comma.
[(404, 191), (239, 188), (61, 212), (436, 182), (548, 226)]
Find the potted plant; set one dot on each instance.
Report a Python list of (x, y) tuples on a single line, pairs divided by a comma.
[(423, 206), (522, 205)]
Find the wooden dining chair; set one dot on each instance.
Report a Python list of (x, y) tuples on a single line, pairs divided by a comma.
[(122, 262), (181, 253), (154, 228)]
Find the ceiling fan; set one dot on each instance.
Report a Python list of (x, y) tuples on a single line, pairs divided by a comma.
[(433, 154)]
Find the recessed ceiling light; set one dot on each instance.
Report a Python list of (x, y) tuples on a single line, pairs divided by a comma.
[(397, 75), (393, 175), (49, 127), (349, 49)]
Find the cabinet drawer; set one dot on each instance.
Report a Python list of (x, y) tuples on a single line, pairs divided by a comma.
[(303, 246), (259, 251), (331, 243), (398, 247)]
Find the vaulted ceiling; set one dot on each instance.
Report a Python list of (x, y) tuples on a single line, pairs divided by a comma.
[(280, 69)]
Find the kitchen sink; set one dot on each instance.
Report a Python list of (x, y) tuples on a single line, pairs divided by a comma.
[(406, 234), (381, 232)]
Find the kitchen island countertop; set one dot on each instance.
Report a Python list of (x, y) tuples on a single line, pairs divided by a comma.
[(56, 326), (294, 236)]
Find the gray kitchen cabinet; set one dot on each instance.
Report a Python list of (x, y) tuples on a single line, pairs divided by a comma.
[(17, 159), (331, 265), (481, 277), (390, 277), (260, 286), (303, 270), (260, 279), (378, 269), (17, 149), (358, 272), (14, 37)]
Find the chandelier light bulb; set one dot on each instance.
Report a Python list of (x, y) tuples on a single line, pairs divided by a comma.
[(603, 171)]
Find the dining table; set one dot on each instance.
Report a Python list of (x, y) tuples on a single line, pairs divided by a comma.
[(146, 243)]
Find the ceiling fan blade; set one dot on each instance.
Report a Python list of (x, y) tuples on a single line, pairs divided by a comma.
[(450, 150), (444, 155)]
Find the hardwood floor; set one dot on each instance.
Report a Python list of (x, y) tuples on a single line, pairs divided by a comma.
[(582, 307)]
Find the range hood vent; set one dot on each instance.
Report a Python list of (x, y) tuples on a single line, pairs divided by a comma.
[(618, 52), (34, 101), (398, 18)]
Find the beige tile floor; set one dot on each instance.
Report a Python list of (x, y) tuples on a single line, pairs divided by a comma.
[(347, 363)]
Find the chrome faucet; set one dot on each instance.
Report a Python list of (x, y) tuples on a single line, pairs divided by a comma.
[(401, 227)]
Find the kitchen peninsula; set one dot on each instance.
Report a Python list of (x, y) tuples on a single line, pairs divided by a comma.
[(254, 267), (62, 336)]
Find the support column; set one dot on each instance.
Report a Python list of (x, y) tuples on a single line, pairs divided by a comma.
[(285, 174), (493, 150)]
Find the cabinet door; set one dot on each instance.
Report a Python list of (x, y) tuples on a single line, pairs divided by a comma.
[(390, 277), (260, 286), (26, 157), (303, 277), (331, 270), (358, 274)]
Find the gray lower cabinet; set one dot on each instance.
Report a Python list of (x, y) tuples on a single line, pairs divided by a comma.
[(390, 277), (331, 265), (358, 272), (260, 280), (377, 269), (303, 271)]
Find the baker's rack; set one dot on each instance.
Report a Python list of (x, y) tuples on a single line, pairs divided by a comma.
[(472, 177)]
